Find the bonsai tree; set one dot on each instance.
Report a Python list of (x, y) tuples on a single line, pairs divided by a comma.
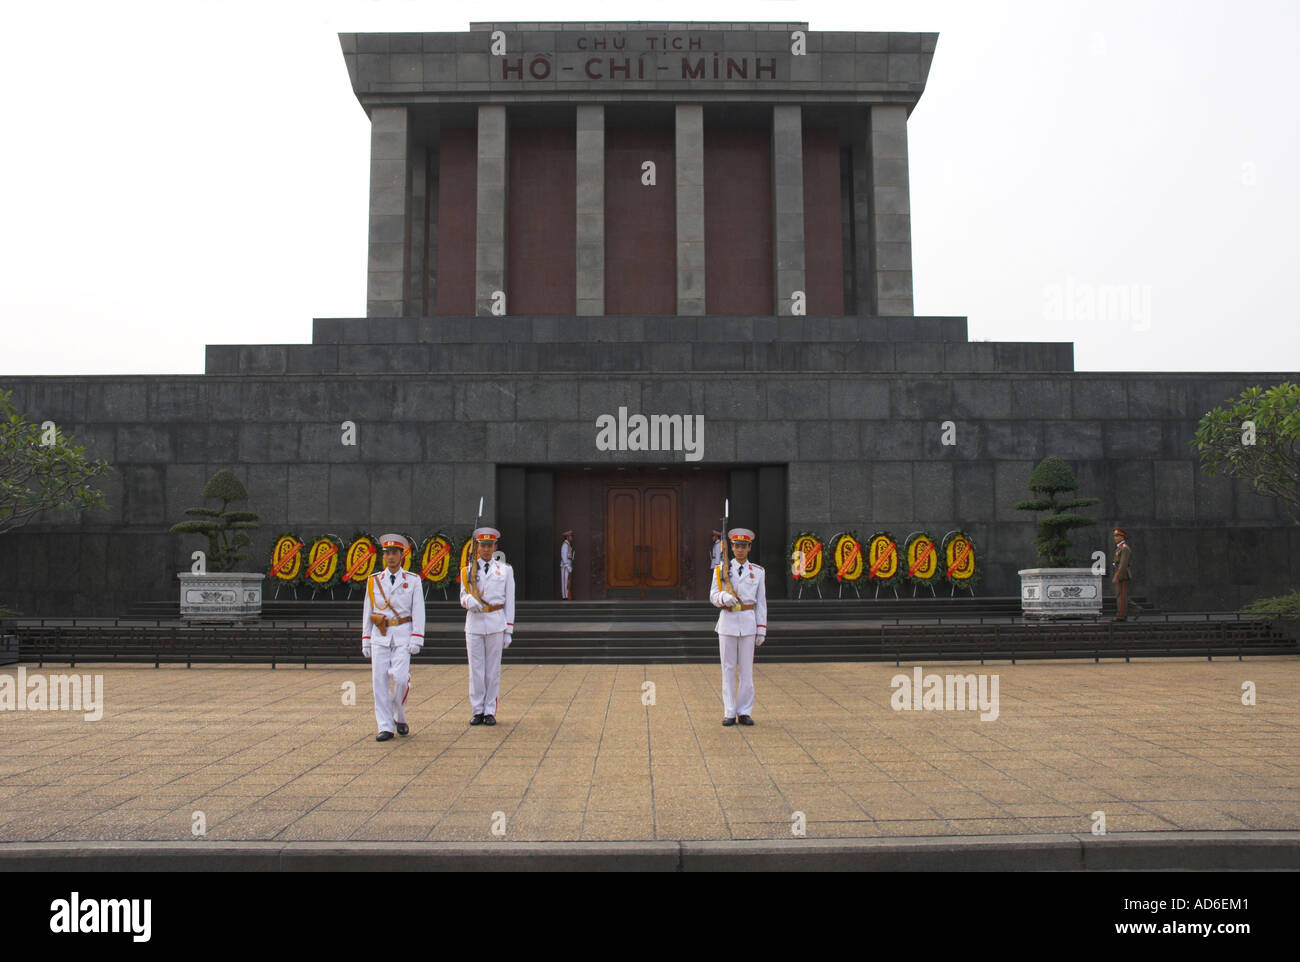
[(224, 529), (1052, 477)]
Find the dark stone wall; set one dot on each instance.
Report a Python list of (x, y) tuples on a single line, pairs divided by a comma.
[(822, 215), (457, 219), (640, 221), (541, 258), (737, 220), (863, 451)]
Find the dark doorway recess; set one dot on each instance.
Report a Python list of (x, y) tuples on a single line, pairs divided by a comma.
[(639, 533)]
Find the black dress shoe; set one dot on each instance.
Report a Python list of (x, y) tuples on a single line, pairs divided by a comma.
[(383, 736), (476, 720), (489, 719), (728, 722), (744, 719), (403, 728)]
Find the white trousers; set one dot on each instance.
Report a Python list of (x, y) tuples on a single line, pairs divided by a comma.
[(484, 671), (737, 652), (566, 576), (390, 676)]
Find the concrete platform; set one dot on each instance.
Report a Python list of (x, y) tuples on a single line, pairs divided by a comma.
[(211, 756)]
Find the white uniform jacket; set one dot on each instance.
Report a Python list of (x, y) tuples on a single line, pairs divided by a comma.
[(750, 588), (566, 556), (496, 587), (405, 599)]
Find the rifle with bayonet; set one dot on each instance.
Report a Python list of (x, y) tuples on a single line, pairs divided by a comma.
[(723, 573), (471, 576)]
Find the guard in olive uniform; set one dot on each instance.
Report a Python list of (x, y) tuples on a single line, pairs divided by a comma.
[(487, 593), (566, 566), (392, 630), (742, 625), (1122, 566)]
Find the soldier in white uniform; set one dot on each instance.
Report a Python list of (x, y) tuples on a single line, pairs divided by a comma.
[(487, 593), (566, 566), (392, 630), (715, 553), (741, 626)]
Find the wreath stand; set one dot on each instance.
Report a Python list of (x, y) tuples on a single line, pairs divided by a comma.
[(816, 585)]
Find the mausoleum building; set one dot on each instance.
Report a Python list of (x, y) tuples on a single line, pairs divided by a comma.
[(618, 273)]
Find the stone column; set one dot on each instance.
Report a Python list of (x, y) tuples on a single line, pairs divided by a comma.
[(787, 206), (490, 245), (891, 212), (389, 212), (591, 210), (690, 208)]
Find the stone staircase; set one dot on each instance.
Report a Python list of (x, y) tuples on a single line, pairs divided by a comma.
[(552, 632)]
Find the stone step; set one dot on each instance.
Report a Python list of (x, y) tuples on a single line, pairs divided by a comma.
[(650, 329), (336, 644), (651, 357), (829, 610)]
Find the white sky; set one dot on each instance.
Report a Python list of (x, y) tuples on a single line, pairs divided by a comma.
[(196, 171)]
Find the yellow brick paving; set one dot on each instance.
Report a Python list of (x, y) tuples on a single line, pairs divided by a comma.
[(263, 754)]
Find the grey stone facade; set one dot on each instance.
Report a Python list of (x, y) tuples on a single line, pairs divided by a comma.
[(861, 444), (690, 208), (591, 209), (390, 203), (490, 246), (787, 206)]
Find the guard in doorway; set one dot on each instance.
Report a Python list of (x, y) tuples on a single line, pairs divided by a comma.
[(566, 566)]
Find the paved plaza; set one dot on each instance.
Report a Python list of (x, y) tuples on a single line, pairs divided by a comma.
[(581, 753)]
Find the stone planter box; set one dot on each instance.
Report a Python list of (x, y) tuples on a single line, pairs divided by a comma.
[(1060, 593), (233, 596)]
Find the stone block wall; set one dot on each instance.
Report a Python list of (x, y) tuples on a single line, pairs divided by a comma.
[(864, 450)]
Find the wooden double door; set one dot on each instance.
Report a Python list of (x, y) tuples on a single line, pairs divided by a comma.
[(639, 534), (642, 540)]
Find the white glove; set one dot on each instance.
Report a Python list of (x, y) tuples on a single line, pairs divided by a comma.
[(509, 638), (413, 649), (473, 604), (758, 640), (365, 650), (727, 598)]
